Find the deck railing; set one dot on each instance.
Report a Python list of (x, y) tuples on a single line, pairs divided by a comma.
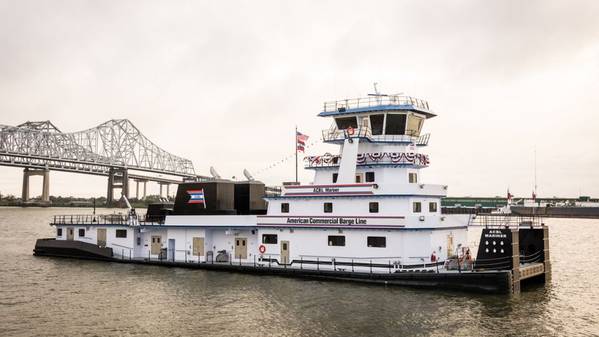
[(374, 101), (505, 221), (104, 219)]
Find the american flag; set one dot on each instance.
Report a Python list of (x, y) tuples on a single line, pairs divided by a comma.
[(301, 139)]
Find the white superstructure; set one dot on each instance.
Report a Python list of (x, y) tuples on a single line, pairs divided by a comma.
[(367, 203)]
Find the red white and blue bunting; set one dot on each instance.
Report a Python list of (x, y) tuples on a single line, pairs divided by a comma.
[(400, 158)]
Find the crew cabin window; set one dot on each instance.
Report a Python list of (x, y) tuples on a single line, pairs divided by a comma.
[(369, 177), (396, 124), (337, 240), (376, 241), (58, 231), (373, 207), (285, 207), (328, 207), (81, 232), (346, 122), (376, 122), (359, 178), (413, 178), (121, 233), (335, 176), (432, 207), (269, 239), (417, 207)]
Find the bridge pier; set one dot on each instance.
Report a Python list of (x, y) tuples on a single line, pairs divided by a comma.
[(167, 188), (45, 187), (137, 181), (117, 178)]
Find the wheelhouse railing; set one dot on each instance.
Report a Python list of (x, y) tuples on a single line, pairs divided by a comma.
[(333, 134), (374, 101)]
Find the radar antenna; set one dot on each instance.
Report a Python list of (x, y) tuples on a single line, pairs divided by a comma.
[(248, 175), (213, 172)]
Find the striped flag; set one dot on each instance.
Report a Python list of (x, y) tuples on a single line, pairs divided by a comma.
[(301, 140), (196, 197)]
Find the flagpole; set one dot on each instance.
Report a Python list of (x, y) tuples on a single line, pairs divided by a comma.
[(296, 154)]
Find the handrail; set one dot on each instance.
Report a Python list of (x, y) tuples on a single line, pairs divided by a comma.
[(373, 101), (335, 134)]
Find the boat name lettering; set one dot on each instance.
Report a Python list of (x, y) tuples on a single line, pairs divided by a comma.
[(326, 189), (495, 233), (328, 221)]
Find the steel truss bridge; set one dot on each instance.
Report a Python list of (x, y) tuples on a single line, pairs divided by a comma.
[(116, 149)]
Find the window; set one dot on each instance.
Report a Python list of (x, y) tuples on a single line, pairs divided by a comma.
[(337, 240), (376, 122), (373, 207), (396, 124), (269, 239), (413, 177), (432, 207), (359, 178), (335, 176), (417, 207), (345, 122), (328, 207), (81, 232), (285, 207), (376, 241), (121, 233), (138, 241), (369, 177), (414, 125), (58, 231)]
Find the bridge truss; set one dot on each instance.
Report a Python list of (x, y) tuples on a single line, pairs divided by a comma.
[(109, 149)]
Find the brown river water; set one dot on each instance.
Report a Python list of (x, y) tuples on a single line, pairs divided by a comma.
[(42, 296)]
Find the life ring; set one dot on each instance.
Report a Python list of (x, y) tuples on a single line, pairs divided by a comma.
[(350, 131), (262, 249)]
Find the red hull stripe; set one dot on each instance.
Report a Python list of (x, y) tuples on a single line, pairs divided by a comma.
[(331, 216)]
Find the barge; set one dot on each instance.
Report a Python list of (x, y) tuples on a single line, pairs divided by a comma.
[(367, 217)]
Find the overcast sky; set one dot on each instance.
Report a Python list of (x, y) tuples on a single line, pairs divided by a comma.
[(225, 82)]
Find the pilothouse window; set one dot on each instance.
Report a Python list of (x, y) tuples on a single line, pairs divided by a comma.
[(396, 124), (346, 122), (376, 124)]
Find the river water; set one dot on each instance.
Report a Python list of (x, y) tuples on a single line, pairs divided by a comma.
[(42, 296)]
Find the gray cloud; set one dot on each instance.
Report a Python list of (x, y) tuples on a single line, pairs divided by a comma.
[(225, 83)]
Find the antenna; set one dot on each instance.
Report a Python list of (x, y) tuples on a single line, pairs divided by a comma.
[(213, 172), (248, 175), (535, 171), (377, 93)]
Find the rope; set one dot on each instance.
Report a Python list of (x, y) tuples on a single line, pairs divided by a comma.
[(284, 159)]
